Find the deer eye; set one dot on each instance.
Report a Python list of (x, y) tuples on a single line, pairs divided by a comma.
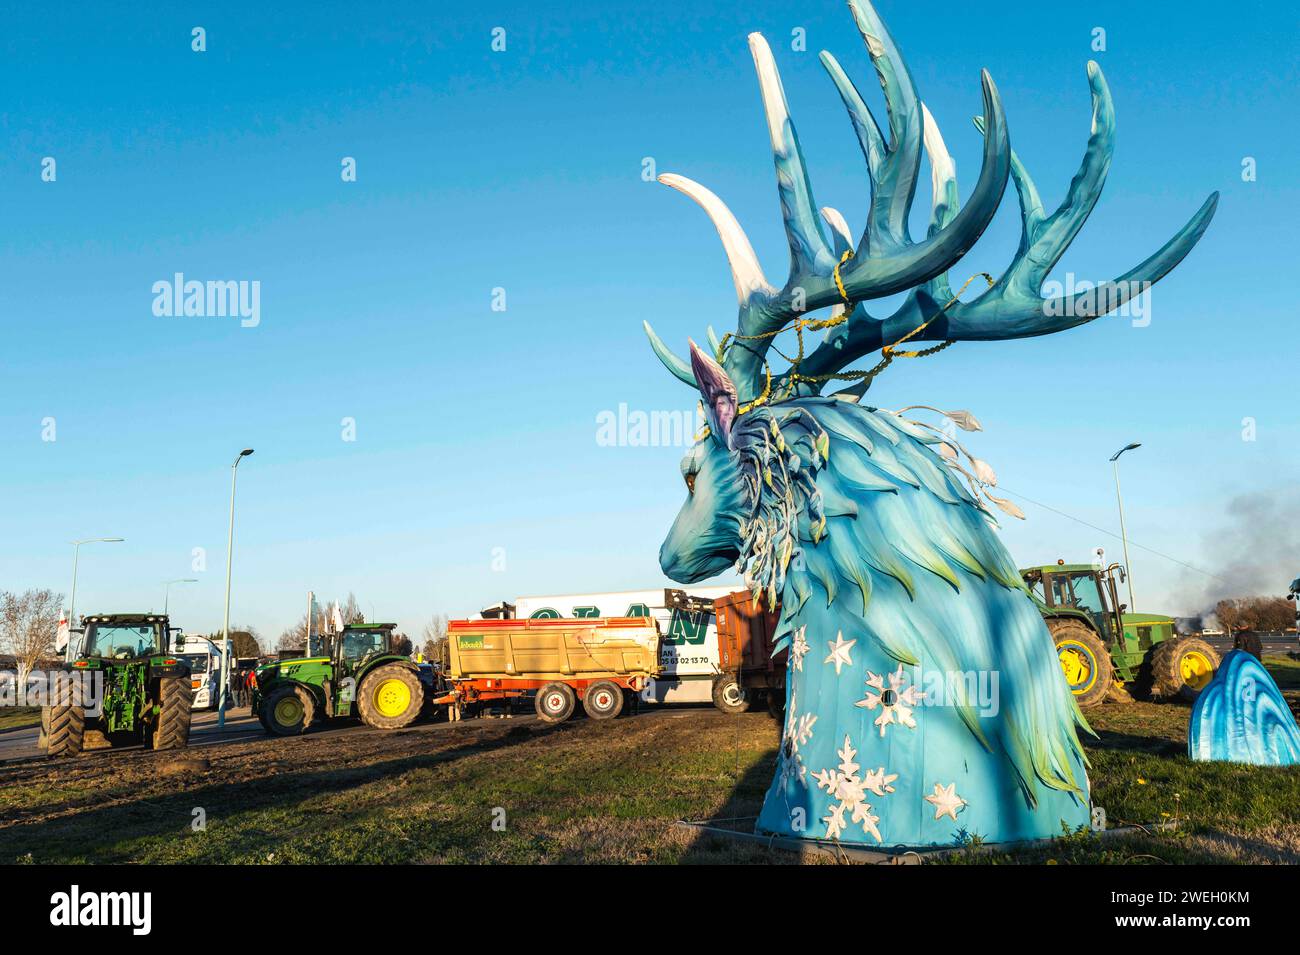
[(690, 481)]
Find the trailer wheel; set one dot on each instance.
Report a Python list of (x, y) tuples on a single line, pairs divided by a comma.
[(603, 701), (288, 711), (64, 728), (776, 703), (728, 695), (173, 729), (555, 702), (390, 697)]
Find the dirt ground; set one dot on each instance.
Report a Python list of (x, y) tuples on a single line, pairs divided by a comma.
[(517, 790)]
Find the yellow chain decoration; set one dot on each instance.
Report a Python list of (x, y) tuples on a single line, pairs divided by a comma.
[(887, 354)]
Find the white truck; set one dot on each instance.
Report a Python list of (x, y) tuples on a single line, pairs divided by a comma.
[(689, 650), (204, 658)]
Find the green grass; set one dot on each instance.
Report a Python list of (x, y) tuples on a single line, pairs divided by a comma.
[(19, 717)]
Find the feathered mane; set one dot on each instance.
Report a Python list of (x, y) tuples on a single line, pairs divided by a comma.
[(852, 510)]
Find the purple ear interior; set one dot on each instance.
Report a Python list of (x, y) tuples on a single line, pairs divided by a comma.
[(718, 391)]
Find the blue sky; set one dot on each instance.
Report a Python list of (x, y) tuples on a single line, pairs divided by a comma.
[(521, 170)]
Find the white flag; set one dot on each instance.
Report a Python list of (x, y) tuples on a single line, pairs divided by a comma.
[(338, 618), (61, 638)]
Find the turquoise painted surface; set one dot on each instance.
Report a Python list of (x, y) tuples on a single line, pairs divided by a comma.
[(1242, 717), (925, 702)]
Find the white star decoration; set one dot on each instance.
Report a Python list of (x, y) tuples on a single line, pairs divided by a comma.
[(945, 800), (798, 730), (849, 791), (839, 654), (897, 703), (798, 649)]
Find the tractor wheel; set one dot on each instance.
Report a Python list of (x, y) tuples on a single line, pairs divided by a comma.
[(1084, 659), (390, 697), (555, 702), (1250, 642), (173, 729), (728, 695), (288, 711), (1181, 668), (64, 728), (603, 700)]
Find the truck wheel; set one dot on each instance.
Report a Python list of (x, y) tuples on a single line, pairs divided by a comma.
[(1181, 668), (1085, 661), (776, 703), (176, 697), (64, 726), (1251, 643), (555, 702), (603, 701), (288, 711), (728, 695), (390, 697)]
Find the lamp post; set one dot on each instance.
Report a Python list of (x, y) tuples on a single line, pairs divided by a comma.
[(76, 558), (1123, 535), (225, 627), (168, 592)]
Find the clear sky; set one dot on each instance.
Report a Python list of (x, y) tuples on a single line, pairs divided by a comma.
[(476, 473)]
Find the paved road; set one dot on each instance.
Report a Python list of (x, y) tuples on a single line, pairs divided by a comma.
[(241, 727), (1270, 643)]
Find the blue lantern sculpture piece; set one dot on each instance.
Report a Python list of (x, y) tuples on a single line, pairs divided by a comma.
[(924, 697), (1241, 717)]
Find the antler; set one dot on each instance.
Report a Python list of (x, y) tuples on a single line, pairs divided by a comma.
[(885, 260), (1013, 307)]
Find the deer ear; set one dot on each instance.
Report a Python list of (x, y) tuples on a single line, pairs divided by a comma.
[(718, 392)]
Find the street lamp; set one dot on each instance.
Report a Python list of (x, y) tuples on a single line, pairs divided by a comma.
[(225, 627), (76, 557), (168, 592), (1123, 535)]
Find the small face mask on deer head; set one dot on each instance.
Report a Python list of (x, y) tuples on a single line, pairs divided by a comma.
[(705, 538)]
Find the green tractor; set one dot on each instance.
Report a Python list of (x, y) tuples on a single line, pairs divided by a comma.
[(1105, 650), (124, 687), (361, 673)]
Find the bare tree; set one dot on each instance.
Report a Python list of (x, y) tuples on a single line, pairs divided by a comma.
[(29, 623), (435, 637)]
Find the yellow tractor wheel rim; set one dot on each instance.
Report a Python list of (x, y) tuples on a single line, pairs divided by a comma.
[(1077, 665), (392, 697), (288, 711), (1196, 669)]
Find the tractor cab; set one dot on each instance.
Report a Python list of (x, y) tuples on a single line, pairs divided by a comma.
[(124, 636), (1082, 588), (359, 643)]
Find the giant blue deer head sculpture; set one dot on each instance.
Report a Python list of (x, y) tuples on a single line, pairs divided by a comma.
[(924, 699)]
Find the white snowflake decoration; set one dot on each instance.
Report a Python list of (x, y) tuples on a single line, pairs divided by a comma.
[(798, 730), (799, 649), (849, 790), (895, 702)]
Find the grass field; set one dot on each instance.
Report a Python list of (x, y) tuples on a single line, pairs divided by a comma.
[(19, 717), (580, 792)]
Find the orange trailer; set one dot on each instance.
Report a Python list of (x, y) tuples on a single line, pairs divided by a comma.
[(750, 673), (597, 660)]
